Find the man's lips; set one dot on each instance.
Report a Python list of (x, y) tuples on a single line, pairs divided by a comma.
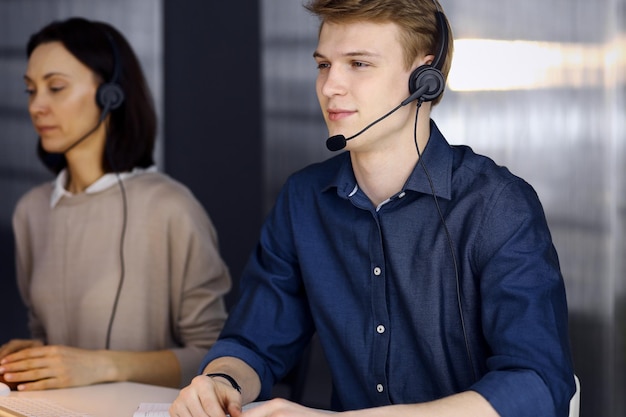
[(335, 114)]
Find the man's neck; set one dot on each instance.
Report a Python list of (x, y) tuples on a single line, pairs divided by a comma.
[(382, 173)]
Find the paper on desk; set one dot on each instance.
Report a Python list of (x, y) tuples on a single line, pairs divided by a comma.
[(162, 409), (152, 410)]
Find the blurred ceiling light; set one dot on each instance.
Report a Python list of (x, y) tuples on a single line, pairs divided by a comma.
[(487, 65)]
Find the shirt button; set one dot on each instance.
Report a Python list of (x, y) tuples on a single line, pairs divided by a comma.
[(377, 271), (379, 388), (380, 329)]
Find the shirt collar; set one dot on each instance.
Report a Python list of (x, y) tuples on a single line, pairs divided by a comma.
[(437, 158), (104, 182)]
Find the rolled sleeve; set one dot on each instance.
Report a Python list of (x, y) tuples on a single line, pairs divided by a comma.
[(524, 310)]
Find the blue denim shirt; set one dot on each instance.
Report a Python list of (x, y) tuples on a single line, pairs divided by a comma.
[(379, 287)]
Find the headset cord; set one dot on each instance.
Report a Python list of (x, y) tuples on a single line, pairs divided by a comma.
[(122, 239), (450, 243)]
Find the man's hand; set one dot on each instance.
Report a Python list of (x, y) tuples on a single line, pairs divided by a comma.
[(207, 396), (281, 407)]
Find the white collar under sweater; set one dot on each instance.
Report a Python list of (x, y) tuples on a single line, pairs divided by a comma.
[(101, 184)]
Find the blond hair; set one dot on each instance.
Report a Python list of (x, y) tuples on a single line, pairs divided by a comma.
[(416, 19)]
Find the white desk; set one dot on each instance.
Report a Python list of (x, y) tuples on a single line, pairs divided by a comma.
[(119, 399)]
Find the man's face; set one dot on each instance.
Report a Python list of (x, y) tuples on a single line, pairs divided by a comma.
[(362, 77)]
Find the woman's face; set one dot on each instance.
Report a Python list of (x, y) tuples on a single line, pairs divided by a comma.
[(61, 102)]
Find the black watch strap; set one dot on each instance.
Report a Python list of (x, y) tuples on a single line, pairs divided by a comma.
[(228, 378)]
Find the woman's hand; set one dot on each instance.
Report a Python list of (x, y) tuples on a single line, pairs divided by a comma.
[(12, 346), (17, 345), (37, 367)]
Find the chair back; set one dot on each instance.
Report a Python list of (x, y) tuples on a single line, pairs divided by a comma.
[(574, 403)]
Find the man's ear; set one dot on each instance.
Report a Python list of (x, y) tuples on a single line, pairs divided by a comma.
[(425, 60)]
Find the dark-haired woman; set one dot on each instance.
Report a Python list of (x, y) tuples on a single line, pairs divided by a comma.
[(117, 264)]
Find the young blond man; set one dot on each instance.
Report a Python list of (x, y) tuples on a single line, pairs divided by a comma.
[(427, 271)]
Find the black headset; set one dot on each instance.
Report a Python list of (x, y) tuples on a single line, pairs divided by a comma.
[(110, 95), (430, 76)]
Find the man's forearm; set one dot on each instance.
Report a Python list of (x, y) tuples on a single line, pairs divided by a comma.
[(466, 404), (241, 372)]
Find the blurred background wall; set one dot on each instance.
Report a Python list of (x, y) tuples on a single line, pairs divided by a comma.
[(539, 86)]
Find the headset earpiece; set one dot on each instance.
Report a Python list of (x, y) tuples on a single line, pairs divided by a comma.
[(110, 95), (428, 79), (426, 82)]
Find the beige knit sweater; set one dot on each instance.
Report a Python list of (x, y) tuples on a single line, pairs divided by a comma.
[(69, 267)]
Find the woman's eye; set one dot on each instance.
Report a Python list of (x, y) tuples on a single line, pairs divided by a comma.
[(323, 65)]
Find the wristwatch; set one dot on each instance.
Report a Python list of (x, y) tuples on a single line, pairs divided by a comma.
[(228, 378)]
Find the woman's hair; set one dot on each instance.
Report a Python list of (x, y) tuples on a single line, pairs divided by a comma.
[(415, 18), (132, 127)]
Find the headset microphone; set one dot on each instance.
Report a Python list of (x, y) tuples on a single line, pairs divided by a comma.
[(86, 135), (338, 142)]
